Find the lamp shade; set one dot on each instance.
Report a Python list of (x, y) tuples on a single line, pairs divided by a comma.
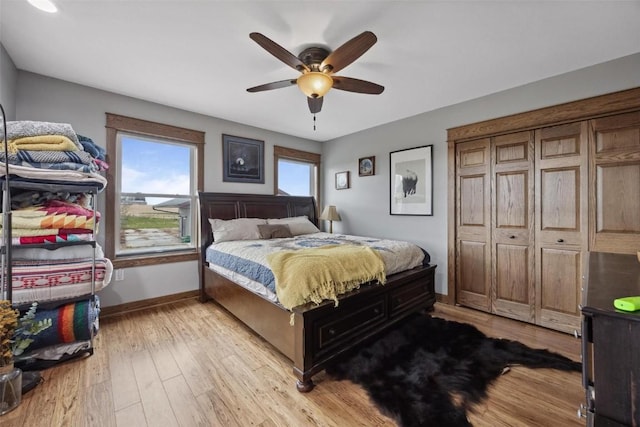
[(330, 213), (315, 84)]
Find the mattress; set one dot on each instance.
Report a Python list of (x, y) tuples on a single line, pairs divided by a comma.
[(245, 261)]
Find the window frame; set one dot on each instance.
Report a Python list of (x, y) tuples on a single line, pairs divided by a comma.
[(115, 124), (298, 156)]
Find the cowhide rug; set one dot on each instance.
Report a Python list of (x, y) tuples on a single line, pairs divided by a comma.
[(429, 371)]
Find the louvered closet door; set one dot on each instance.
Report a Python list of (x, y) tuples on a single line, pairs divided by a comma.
[(561, 224), (615, 179), (473, 224), (512, 219)]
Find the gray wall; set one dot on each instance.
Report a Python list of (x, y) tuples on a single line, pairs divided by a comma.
[(48, 99), (8, 84), (364, 207)]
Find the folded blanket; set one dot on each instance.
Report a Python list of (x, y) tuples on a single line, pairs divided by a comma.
[(90, 147), (42, 142), (48, 156), (70, 322), (65, 253), (29, 198), (53, 214), (23, 232), (316, 274), (66, 176), (25, 128), (72, 166), (51, 238)]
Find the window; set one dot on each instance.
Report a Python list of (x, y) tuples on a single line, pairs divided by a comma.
[(154, 176), (297, 172)]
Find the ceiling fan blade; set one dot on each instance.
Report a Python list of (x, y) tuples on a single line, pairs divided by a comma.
[(272, 85), (348, 52), (278, 51), (315, 104), (356, 85)]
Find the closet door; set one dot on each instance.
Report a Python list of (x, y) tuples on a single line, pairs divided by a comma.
[(615, 184), (561, 224), (512, 290), (473, 224)]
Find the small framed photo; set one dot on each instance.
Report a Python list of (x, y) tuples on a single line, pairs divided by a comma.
[(367, 166), (242, 159), (342, 180), (411, 180)]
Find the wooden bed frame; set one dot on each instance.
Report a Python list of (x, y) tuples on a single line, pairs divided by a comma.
[(321, 332)]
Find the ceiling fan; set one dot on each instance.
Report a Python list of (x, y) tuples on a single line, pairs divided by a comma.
[(318, 66)]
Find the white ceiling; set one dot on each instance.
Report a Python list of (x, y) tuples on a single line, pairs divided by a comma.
[(197, 55)]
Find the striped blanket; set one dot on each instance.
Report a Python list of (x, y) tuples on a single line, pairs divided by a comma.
[(69, 323)]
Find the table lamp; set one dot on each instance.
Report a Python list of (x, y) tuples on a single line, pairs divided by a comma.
[(330, 214)]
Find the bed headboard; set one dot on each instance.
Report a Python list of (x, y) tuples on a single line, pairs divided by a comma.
[(232, 206)]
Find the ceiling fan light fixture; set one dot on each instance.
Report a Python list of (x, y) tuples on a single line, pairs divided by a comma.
[(315, 84)]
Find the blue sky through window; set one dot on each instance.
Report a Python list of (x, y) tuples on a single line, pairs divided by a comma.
[(154, 167), (294, 178)]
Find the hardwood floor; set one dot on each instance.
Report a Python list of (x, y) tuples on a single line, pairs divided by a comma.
[(192, 364)]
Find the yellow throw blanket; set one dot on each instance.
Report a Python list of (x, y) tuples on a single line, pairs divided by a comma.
[(316, 274), (42, 143)]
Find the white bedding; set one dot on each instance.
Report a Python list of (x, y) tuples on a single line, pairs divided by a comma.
[(247, 259)]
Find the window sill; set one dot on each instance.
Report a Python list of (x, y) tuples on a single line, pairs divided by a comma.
[(142, 260)]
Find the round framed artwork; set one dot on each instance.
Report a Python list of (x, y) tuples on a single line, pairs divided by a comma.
[(367, 166)]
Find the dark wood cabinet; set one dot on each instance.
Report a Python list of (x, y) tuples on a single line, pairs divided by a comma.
[(611, 341)]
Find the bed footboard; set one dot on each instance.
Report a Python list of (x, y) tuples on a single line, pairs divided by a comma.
[(325, 332)]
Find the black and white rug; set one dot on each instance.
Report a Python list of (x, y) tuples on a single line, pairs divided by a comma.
[(429, 371)]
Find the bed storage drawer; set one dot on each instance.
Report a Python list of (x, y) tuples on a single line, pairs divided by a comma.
[(332, 331), (411, 295)]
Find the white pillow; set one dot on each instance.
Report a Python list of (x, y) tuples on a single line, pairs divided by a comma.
[(236, 229), (297, 225)]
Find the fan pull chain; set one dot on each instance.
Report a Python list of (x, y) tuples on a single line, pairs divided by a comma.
[(314, 122)]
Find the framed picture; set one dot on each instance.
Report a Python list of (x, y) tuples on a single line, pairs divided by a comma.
[(242, 159), (367, 166), (411, 181), (342, 180)]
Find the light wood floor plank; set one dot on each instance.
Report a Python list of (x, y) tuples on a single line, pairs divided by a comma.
[(124, 389), (166, 364), (96, 367), (99, 410), (155, 401), (131, 416), (183, 402), (217, 409), (70, 402), (195, 374)]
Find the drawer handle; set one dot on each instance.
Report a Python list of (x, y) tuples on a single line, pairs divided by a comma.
[(332, 331), (560, 240), (376, 311), (512, 237)]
